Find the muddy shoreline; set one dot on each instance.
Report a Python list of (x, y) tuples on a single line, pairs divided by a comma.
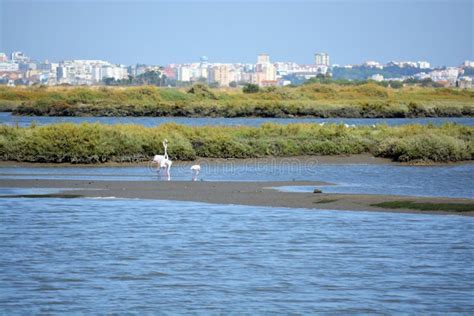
[(242, 193)]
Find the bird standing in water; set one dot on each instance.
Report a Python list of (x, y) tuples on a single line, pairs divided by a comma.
[(163, 161), (195, 170)]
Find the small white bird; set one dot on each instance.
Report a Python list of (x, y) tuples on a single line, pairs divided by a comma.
[(195, 170)]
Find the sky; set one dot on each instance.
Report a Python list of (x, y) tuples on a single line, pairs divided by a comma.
[(163, 32)]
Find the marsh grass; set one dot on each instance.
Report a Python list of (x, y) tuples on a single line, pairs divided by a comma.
[(324, 201), (317, 100), (97, 143), (447, 207)]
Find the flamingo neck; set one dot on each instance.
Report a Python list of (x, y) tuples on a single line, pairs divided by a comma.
[(165, 145)]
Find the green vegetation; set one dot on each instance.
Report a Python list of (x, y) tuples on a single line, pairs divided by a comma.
[(314, 100), (447, 207), (96, 143), (364, 72), (148, 78), (250, 88), (324, 201), (394, 84)]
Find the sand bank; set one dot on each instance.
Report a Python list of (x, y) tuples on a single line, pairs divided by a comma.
[(243, 193)]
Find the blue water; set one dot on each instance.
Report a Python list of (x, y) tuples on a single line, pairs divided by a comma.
[(444, 180), (134, 256), (23, 191), (7, 118)]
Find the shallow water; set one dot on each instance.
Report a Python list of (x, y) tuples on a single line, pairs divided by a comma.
[(443, 180), (7, 118), (120, 256)]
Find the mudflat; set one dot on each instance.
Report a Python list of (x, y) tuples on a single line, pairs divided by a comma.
[(243, 193)]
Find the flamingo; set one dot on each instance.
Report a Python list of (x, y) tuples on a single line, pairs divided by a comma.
[(163, 161), (195, 170)]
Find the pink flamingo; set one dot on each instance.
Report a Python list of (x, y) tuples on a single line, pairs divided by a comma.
[(163, 161)]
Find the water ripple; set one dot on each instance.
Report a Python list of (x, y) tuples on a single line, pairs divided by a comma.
[(120, 256)]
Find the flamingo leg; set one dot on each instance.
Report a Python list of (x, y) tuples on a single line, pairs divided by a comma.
[(167, 173)]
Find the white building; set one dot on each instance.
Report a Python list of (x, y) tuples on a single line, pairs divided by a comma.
[(220, 74), (184, 73), (449, 74), (89, 71), (321, 59), (468, 63), (263, 59), (377, 77), (403, 64), (423, 65), (19, 57), (8, 66), (265, 71), (465, 82), (110, 71), (373, 64)]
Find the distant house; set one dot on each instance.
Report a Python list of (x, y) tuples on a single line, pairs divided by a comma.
[(464, 82), (444, 83), (268, 83)]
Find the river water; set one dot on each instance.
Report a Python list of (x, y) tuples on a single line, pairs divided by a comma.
[(443, 180), (8, 119), (106, 256), (121, 256)]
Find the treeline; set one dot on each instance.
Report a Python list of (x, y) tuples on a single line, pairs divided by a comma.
[(363, 72), (155, 78), (314, 100), (394, 84), (96, 143)]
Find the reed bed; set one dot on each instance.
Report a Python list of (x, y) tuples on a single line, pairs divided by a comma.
[(98, 143)]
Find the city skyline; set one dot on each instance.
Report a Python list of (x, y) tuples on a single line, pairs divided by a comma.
[(23, 70), (312, 59), (161, 33)]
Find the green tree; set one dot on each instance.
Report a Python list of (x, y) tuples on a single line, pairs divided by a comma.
[(251, 88), (214, 84), (109, 81), (396, 84)]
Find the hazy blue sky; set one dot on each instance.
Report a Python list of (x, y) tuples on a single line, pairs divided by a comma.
[(161, 32)]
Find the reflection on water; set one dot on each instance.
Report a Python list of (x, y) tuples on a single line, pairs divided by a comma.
[(446, 180), (118, 256), (7, 118)]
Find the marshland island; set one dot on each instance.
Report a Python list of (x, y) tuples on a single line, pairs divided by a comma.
[(319, 98)]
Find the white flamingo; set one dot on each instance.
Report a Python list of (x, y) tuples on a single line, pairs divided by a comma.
[(195, 170), (163, 161)]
